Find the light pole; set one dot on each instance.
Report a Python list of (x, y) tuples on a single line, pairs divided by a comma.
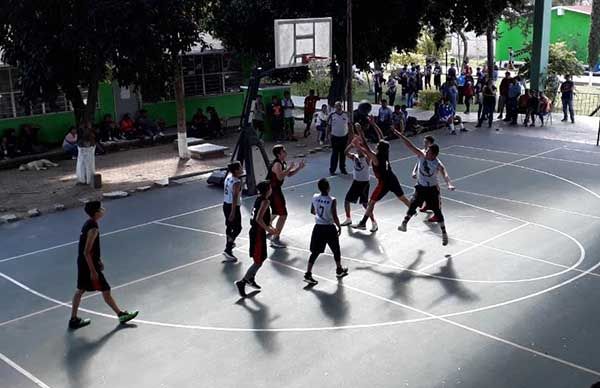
[(349, 70)]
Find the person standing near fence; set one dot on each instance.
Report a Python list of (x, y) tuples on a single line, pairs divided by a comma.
[(338, 126), (567, 91), (86, 149), (288, 116)]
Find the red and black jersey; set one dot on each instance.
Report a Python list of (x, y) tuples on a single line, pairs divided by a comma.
[(272, 177)]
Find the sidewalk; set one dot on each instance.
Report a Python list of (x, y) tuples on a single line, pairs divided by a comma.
[(21, 191)]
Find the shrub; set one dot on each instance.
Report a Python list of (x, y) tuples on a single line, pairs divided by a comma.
[(428, 98)]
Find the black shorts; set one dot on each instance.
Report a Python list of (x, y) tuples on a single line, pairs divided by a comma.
[(385, 185), (359, 191), (429, 195), (84, 278), (258, 244), (277, 200), (308, 117), (323, 235), (237, 221)]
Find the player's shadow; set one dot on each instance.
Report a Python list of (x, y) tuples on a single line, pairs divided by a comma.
[(80, 350), (281, 258), (371, 244), (400, 280), (334, 305), (232, 271), (453, 288), (261, 319)]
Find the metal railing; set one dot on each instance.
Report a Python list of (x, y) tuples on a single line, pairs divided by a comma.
[(585, 104)]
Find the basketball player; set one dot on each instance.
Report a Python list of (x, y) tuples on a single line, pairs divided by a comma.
[(231, 209), (325, 232), (276, 175), (259, 226)]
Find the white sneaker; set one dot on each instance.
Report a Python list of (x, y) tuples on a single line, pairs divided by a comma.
[(276, 243), (229, 257), (374, 227), (161, 134), (320, 142), (347, 222)]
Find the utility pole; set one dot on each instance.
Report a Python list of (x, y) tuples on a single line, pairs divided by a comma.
[(349, 70)]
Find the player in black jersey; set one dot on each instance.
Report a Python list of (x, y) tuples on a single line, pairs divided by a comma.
[(382, 168), (260, 225), (90, 267), (278, 171)]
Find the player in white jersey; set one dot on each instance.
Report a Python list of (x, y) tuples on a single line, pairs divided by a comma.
[(326, 231), (359, 190), (427, 142), (427, 188), (231, 209)]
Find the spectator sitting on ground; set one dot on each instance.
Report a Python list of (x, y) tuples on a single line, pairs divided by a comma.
[(69, 144), (127, 126), (8, 145), (161, 124), (199, 126), (29, 141), (214, 123), (447, 115), (411, 124), (398, 119), (109, 130), (148, 126)]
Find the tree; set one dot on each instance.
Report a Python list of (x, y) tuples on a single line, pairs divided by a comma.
[(561, 60), (71, 45), (594, 40)]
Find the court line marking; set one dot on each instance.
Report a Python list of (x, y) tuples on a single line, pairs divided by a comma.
[(428, 316), (580, 150), (420, 271), (23, 371), (467, 249), (175, 216), (519, 154), (504, 164)]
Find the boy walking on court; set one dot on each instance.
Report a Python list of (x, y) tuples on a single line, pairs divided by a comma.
[(359, 190), (276, 175), (260, 224), (90, 267), (427, 188), (428, 141), (326, 231), (231, 209)]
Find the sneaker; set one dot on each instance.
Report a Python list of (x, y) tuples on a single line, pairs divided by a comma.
[(276, 243), (341, 272), (309, 279), (347, 222), (403, 227), (564, 120), (500, 117), (320, 142), (360, 226), (374, 227), (433, 219), (453, 132), (76, 323), (444, 238), (344, 172), (229, 257), (464, 130), (161, 134), (424, 209), (126, 316), (252, 283), (241, 286)]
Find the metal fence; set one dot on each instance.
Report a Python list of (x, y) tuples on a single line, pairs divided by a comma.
[(586, 104)]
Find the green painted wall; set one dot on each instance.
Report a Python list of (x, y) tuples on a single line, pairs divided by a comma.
[(54, 126), (572, 28)]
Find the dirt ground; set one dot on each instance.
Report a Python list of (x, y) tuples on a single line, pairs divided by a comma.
[(126, 170)]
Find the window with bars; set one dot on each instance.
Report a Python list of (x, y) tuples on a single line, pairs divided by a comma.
[(11, 106)]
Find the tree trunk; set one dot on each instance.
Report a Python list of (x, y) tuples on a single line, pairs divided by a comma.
[(594, 40), (184, 152), (73, 94), (465, 46), (490, 49)]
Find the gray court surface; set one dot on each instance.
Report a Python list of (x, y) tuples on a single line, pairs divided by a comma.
[(512, 301)]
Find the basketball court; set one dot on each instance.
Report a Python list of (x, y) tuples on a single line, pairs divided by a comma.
[(510, 302)]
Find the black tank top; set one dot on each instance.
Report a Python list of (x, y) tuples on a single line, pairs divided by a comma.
[(255, 210), (271, 177), (89, 225)]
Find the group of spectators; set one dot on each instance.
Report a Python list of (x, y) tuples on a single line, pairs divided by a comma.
[(280, 113), (205, 127), (25, 142)]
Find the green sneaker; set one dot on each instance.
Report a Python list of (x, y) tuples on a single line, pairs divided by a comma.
[(76, 323), (126, 316)]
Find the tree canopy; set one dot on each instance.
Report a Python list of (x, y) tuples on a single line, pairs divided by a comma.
[(594, 39), (561, 61), (67, 45)]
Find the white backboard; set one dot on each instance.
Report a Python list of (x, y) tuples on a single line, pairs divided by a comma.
[(297, 39)]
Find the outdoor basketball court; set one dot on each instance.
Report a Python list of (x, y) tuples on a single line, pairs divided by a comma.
[(512, 301)]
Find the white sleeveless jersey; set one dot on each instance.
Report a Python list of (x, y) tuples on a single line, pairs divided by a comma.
[(230, 181), (427, 171), (323, 205), (361, 169)]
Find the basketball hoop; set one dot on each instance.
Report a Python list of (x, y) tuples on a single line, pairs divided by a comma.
[(301, 41), (307, 58)]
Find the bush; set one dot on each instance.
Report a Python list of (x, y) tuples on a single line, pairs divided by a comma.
[(428, 98)]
